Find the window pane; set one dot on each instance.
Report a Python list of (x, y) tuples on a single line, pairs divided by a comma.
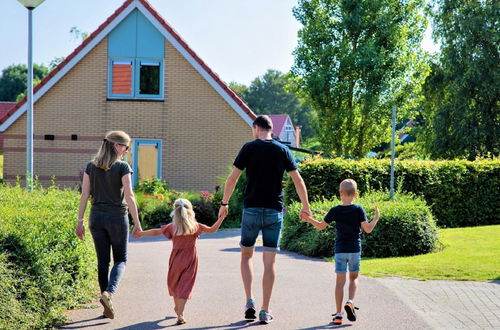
[(122, 78), (150, 79)]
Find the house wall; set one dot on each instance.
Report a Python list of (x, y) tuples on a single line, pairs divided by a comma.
[(201, 133)]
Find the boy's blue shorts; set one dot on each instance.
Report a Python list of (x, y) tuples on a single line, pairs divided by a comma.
[(345, 260), (254, 220)]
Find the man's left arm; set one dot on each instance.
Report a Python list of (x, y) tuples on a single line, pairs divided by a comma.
[(301, 189)]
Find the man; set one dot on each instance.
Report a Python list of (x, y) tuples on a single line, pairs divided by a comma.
[(265, 162)]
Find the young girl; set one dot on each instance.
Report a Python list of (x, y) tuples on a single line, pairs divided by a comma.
[(183, 263)]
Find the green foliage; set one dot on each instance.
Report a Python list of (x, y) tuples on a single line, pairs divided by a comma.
[(13, 80), (276, 93), (45, 268), (405, 228), (12, 315), (460, 193), (355, 59), (460, 109), (153, 186), (411, 150)]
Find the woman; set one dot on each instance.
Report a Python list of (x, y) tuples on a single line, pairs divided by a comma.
[(108, 180)]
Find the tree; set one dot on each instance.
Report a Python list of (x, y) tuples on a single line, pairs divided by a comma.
[(463, 91), (240, 89), (355, 59), (273, 93), (13, 80)]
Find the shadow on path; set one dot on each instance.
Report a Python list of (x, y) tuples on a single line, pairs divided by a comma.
[(74, 325), (151, 325)]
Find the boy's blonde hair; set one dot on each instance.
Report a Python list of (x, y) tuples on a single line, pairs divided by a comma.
[(107, 154), (183, 218), (349, 187)]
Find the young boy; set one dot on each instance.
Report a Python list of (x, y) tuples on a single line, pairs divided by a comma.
[(349, 219)]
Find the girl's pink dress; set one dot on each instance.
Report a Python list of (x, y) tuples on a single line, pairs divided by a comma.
[(183, 263)]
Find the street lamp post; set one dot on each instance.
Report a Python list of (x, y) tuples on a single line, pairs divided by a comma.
[(30, 5)]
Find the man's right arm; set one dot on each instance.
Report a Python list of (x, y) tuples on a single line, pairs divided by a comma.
[(301, 189), (231, 182)]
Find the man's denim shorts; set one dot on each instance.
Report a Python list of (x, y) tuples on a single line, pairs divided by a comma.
[(343, 260), (255, 219)]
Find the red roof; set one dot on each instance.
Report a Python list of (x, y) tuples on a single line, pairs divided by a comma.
[(160, 19), (5, 107), (279, 122)]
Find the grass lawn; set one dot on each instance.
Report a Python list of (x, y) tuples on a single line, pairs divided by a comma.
[(471, 253)]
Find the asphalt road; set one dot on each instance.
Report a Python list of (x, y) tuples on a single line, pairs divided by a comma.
[(302, 296)]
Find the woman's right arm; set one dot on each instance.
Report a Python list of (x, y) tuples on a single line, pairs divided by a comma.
[(130, 199), (80, 228)]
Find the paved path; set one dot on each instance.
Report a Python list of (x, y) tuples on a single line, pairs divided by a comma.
[(302, 298), (451, 304)]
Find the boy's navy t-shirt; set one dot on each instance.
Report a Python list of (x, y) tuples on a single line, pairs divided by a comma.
[(348, 219), (265, 162)]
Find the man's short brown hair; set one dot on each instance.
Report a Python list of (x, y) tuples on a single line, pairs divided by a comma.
[(349, 187), (263, 122)]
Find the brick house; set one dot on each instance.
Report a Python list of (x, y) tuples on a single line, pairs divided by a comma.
[(284, 130), (134, 73), (5, 107)]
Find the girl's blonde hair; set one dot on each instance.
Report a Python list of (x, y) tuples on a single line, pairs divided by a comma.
[(183, 218), (107, 154)]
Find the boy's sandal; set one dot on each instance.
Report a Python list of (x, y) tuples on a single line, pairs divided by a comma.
[(350, 310), (337, 319)]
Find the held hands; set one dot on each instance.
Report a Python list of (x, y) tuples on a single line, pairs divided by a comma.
[(223, 211), (377, 212), (137, 232), (305, 214)]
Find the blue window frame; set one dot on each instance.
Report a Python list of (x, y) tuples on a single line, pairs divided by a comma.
[(135, 157), (135, 78)]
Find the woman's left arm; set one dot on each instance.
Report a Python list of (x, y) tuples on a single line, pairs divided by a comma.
[(80, 227), (130, 198)]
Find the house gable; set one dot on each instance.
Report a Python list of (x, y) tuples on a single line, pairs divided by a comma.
[(103, 31)]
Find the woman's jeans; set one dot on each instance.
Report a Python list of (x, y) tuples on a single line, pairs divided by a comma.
[(109, 232)]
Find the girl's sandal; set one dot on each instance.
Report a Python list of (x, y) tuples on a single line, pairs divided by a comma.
[(180, 321)]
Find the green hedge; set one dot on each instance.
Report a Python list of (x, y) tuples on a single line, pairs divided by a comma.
[(406, 227), (45, 268), (460, 193)]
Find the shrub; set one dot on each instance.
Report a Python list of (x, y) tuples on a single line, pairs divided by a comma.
[(47, 266), (153, 210), (460, 193), (12, 316), (405, 228)]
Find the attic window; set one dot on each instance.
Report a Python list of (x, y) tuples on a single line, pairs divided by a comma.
[(149, 76), (122, 78), (135, 79)]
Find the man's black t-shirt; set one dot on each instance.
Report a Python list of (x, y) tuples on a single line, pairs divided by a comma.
[(265, 162), (348, 219)]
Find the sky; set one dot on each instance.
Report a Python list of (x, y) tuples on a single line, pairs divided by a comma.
[(238, 39)]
